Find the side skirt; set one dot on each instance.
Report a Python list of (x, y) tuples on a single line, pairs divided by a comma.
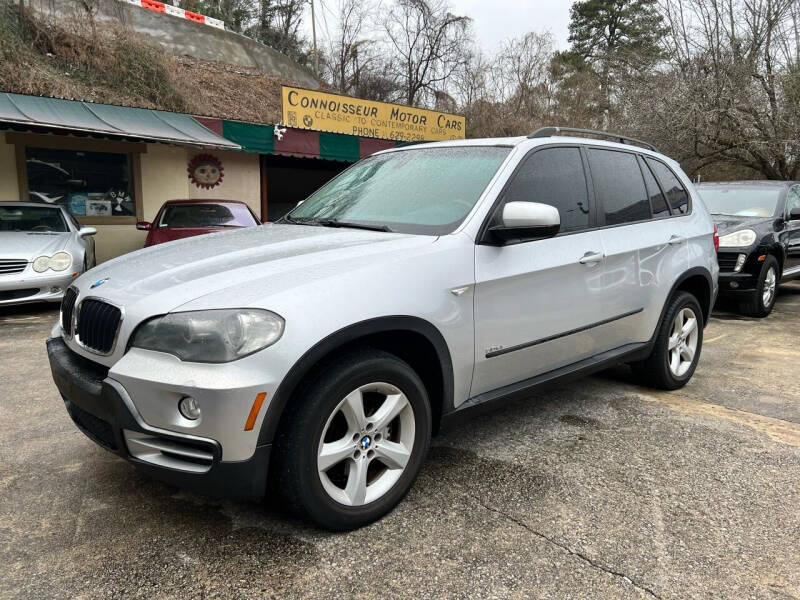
[(494, 398)]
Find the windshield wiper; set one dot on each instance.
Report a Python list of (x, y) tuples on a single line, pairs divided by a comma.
[(350, 224), (335, 223)]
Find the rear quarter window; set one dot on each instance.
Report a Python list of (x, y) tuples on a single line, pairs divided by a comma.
[(677, 196)]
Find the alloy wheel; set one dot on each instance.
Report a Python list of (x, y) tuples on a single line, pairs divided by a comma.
[(768, 291), (683, 342), (366, 444)]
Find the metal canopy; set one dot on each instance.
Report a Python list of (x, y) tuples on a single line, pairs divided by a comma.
[(107, 119)]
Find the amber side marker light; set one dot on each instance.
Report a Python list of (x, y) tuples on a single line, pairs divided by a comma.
[(256, 408)]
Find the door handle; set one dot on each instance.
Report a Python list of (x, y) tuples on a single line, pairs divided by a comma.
[(591, 258), (676, 239)]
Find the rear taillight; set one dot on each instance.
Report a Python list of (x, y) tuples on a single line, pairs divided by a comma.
[(716, 239)]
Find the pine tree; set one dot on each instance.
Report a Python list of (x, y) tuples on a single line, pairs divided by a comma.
[(615, 38)]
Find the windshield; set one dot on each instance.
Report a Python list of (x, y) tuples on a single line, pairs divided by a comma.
[(206, 215), (741, 201), (32, 218), (422, 190)]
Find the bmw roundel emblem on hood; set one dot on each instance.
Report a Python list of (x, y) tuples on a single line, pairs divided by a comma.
[(98, 283)]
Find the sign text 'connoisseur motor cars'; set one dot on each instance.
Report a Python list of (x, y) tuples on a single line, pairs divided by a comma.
[(305, 109)]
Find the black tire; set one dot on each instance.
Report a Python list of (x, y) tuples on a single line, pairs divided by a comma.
[(294, 469), (753, 305), (654, 371)]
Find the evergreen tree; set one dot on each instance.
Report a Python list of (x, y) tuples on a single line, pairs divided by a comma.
[(615, 38)]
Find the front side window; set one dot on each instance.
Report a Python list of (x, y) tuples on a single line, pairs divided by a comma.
[(88, 184), (677, 196), (206, 215), (793, 199), (419, 190), (31, 219), (741, 201), (554, 176), (619, 186)]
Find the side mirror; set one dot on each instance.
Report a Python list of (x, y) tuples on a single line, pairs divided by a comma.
[(144, 225), (86, 231), (794, 214), (526, 221)]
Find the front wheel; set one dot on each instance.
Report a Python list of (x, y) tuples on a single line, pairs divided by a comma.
[(354, 440), (677, 346), (762, 301)]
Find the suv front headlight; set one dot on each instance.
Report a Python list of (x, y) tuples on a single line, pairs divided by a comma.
[(738, 239), (210, 336)]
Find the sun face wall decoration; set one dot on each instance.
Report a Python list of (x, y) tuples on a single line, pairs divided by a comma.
[(206, 171)]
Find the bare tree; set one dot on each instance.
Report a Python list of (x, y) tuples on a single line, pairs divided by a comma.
[(729, 93), (522, 73), (354, 63), (428, 43)]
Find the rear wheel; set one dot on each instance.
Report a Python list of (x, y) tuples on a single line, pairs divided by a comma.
[(354, 440), (761, 302), (677, 346)]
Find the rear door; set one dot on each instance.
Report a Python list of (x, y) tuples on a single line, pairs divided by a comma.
[(792, 266), (645, 250), (535, 300)]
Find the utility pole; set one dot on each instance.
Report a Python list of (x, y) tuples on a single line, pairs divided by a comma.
[(314, 38)]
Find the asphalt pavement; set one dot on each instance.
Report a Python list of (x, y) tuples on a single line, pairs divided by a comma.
[(598, 489)]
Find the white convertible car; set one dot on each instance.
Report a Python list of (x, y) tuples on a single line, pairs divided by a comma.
[(42, 249)]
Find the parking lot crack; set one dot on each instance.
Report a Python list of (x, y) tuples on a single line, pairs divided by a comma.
[(591, 562)]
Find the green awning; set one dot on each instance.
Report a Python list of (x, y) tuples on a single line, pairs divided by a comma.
[(107, 119), (250, 136), (300, 143)]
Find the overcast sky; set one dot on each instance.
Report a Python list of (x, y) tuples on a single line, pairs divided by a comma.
[(493, 20)]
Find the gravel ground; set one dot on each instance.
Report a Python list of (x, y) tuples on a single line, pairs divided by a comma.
[(598, 489)]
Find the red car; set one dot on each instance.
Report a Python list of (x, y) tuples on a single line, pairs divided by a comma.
[(185, 218)]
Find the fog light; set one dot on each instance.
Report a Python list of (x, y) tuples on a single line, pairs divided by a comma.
[(739, 262), (734, 284), (188, 408), (55, 290)]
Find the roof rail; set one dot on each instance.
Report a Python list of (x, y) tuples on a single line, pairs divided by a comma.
[(623, 139)]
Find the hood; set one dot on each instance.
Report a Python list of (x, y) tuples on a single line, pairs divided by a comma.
[(257, 261), (28, 245), (729, 223)]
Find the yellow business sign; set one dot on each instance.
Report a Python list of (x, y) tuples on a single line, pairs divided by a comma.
[(305, 109)]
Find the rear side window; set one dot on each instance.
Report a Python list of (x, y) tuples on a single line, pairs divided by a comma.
[(657, 201), (619, 186), (677, 196), (554, 176)]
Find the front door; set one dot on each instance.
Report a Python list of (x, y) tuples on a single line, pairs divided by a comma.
[(792, 266), (534, 300)]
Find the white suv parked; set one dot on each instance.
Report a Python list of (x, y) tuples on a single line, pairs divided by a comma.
[(423, 281)]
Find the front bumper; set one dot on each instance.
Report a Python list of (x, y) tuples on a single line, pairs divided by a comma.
[(19, 289), (737, 283), (101, 409)]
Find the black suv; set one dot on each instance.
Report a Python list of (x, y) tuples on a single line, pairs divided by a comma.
[(759, 228)]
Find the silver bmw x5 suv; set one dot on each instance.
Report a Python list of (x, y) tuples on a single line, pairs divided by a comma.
[(314, 358)]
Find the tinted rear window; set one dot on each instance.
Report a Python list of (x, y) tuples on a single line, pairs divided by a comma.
[(206, 215), (619, 186)]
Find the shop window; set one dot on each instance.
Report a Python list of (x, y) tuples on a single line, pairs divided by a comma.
[(88, 184)]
